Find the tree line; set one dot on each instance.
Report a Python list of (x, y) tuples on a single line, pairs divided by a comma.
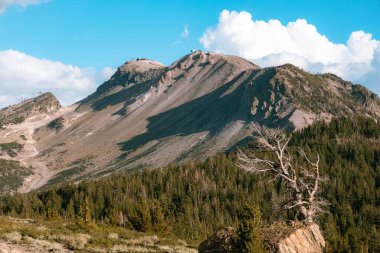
[(194, 199)]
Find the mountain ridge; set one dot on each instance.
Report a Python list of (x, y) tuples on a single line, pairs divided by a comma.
[(148, 114)]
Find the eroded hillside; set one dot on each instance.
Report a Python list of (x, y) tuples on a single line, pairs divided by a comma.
[(149, 114)]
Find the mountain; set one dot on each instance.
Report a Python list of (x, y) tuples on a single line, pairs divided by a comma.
[(149, 115), (45, 103)]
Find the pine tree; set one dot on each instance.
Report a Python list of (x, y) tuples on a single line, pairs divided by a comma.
[(87, 210), (70, 212), (157, 218), (140, 217), (79, 214), (247, 238), (145, 218)]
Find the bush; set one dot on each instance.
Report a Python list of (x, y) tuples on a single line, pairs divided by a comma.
[(11, 148), (57, 124)]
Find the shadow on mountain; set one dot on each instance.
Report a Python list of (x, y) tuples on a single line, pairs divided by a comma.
[(126, 96), (211, 112), (104, 96)]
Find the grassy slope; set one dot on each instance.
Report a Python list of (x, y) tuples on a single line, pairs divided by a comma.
[(57, 236)]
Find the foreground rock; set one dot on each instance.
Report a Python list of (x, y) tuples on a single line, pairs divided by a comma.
[(280, 237), (295, 237), (220, 242)]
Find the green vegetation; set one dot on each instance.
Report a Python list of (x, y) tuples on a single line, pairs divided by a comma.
[(191, 201), (66, 175), (75, 168), (11, 148), (57, 123), (12, 175), (248, 239), (55, 235), (14, 120), (17, 120)]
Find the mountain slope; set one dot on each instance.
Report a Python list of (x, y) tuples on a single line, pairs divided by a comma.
[(148, 114)]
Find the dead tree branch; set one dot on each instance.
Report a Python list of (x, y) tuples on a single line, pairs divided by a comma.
[(302, 178)]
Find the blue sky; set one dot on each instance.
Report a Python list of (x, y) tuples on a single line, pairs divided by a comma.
[(94, 34), (101, 33)]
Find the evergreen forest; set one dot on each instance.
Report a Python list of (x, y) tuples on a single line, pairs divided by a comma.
[(194, 199)]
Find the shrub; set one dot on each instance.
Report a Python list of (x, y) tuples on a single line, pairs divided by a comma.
[(57, 123)]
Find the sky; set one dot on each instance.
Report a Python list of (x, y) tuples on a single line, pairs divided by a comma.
[(69, 47)]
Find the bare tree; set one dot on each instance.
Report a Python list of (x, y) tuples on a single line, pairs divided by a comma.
[(300, 176)]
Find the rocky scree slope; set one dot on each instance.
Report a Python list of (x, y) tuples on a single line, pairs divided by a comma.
[(18, 150), (149, 114), (16, 142)]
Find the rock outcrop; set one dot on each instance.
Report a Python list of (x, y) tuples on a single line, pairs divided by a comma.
[(220, 242), (294, 237), (280, 237), (45, 103)]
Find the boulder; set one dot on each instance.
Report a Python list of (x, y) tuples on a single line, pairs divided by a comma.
[(279, 237), (219, 242), (293, 237)]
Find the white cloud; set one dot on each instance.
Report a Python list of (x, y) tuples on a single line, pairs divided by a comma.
[(106, 73), (183, 36), (6, 100), (272, 43), (5, 4), (22, 75), (185, 32)]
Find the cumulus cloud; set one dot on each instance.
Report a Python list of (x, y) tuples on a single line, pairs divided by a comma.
[(5, 4), (22, 75), (270, 43), (106, 73)]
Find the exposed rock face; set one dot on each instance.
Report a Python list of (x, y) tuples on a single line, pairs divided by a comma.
[(45, 103), (207, 102), (280, 237), (304, 240), (295, 237)]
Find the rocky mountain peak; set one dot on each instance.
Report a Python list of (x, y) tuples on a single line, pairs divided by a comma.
[(202, 59), (138, 78), (45, 103), (140, 65)]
